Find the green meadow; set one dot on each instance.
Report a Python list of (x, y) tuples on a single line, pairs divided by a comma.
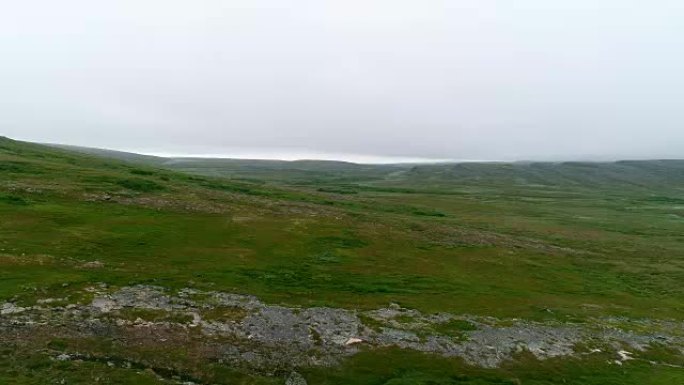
[(563, 242)]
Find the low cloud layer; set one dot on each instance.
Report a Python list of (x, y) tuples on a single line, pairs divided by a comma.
[(475, 79)]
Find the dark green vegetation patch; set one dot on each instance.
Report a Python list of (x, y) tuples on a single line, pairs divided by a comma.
[(141, 185), (13, 200)]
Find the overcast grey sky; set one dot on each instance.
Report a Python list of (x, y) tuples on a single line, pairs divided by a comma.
[(451, 79)]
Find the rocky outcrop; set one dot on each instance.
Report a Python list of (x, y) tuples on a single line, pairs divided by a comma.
[(243, 331)]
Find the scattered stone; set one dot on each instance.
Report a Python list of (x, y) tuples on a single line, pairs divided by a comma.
[(63, 357), (93, 265), (10, 308), (295, 379), (49, 300), (104, 304)]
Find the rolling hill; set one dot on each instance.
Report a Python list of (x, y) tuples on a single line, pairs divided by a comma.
[(628, 173), (128, 269)]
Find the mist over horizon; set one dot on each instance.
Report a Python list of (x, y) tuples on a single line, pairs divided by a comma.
[(379, 81), (300, 154)]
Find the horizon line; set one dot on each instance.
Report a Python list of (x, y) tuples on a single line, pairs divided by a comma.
[(275, 154)]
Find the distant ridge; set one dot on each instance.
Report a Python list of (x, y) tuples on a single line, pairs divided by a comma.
[(637, 173), (113, 154), (642, 173)]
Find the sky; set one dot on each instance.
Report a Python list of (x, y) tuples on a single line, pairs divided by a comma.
[(372, 80)]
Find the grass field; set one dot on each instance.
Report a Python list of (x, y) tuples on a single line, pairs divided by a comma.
[(548, 245)]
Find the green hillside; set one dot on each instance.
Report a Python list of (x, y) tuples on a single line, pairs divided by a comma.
[(579, 243), (644, 174), (291, 172)]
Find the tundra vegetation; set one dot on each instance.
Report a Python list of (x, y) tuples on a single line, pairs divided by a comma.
[(125, 269)]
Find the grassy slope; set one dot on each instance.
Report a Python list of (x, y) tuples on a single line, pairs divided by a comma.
[(503, 249), (630, 174), (301, 171)]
